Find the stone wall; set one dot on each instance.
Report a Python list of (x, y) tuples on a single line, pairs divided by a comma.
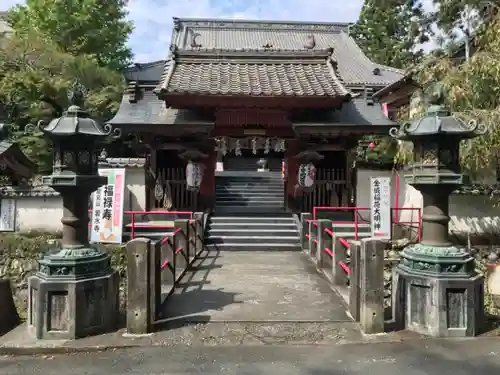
[(18, 261), (40, 208)]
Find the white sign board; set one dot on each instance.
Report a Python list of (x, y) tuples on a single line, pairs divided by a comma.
[(107, 208), (8, 215), (380, 207)]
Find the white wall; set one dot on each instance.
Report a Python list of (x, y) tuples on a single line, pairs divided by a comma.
[(470, 214), (45, 213), (38, 213)]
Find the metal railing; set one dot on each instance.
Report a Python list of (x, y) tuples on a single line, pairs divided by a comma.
[(130, 220), (359, 219), (155, 269), (354, 268)]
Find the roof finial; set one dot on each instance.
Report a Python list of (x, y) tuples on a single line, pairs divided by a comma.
[(76, 94), (311, 42)]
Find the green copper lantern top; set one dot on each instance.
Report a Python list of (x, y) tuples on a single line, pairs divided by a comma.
[(437, 120)]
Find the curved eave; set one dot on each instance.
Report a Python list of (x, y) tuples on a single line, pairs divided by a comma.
[(425, 135)]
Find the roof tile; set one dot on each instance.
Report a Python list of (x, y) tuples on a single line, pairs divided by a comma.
[(275, 73), (354, 66)]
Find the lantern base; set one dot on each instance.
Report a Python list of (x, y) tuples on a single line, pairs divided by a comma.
[(437, 261), (74, 263)]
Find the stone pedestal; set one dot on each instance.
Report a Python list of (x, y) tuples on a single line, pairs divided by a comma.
[(431, 299), (68, 301)]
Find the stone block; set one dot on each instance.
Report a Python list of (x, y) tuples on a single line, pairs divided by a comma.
[(438, 307), (70, 309)]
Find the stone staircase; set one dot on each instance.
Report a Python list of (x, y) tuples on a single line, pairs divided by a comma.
[(249, 163), (250, 214)]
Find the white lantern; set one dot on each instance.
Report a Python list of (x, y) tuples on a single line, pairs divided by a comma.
[(306, 177), (194, 175)]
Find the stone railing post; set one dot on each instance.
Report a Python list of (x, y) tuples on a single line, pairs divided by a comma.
[(143, 285), (371, 276), (199, 230), (339, 276), (304, 224), (325, 258), (313, 235), (354, 278), (321, 237), (168, 259), (182, 237)]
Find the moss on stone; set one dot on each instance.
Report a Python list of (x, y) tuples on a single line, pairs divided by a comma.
[(19, 253)]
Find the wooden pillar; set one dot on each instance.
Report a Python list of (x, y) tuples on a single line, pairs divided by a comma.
[(153, 170), (207, 188), (350, 173), (293, 168)]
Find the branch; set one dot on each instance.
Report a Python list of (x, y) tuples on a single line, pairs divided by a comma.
[(58, 109)]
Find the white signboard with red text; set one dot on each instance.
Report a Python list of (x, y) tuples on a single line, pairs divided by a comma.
[(106, 224)]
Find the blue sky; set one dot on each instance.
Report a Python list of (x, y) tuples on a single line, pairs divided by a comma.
[(153, 18)]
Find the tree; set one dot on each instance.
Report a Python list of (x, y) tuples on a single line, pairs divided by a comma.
[(90, 27), (473, 92), (389, 31), (35, 76), (457, 21)]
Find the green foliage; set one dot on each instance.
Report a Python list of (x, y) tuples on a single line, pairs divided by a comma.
[(473, 92), (35, 76), (451, 14), (97, 28), (389, 31)]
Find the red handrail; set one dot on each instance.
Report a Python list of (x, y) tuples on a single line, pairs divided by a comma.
[(134, 226), (356, 219)]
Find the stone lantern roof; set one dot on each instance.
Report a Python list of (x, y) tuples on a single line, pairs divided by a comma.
[(438, 120)]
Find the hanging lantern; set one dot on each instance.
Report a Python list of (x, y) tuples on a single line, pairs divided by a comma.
[(194, 176), (306, 177)]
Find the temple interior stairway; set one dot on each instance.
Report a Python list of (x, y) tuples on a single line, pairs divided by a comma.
[(250, 212)]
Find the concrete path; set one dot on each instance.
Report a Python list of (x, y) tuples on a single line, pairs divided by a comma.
[(255, 287), (478, 357)]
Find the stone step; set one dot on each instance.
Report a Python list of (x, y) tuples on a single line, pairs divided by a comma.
[(216, 232), (256, 191), (249, 225), (250, 203), (257, 247), (245, 197), (274, 219), (248, 193), (246, 185), (246, 210), (248, 174), (252, 239)]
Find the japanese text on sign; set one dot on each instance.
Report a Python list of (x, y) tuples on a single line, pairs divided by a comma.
[(107, 208), (380, 207)]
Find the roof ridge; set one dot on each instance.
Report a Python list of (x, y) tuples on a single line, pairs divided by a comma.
[(390, 68), (225, 21), (253, 53)]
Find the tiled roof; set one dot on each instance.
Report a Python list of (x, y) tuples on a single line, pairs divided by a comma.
[(27, 191), (353, 65), (359, 112), (123, 163), (147, 72), (150, 110), (253, 73)]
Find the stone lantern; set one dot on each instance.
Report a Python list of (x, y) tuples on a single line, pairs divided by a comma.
[(436, 289), (75, 291)]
